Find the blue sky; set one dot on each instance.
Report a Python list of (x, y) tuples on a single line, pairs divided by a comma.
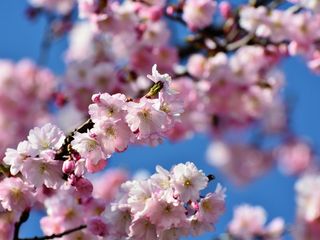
[(20, 38)]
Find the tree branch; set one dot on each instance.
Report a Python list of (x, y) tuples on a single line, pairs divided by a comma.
[(59, 235), (23, 218), (64, 150)]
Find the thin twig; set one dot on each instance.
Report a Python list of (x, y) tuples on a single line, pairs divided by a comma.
[(56, 235), (64, 150), (23, 218)]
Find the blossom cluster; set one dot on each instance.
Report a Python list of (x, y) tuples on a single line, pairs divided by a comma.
[(35, 159), (301, 29), (166, 206), (119, 121), (35, 85), (243, 163), (248, 223), (104, 60), (223, 78)]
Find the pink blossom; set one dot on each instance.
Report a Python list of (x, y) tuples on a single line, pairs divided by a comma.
[(43, 170), (83, 187), (294, 157), (112, 136), (187, 181), (16, 157), (247, 222), (15, 195), (308, 197), (142, 229), (151, 208), (196, 65), (46, 137), (107, 107), (115, 178), (97, 226), (68, 166), (254, 161), (35, 85), (145, 117), (88, 147), (164, 214), (198, 13), (211, 207)]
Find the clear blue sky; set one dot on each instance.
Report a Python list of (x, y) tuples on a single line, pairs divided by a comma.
[(20, 38)]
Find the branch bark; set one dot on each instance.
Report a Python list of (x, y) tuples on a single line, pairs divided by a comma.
[(56, 235)]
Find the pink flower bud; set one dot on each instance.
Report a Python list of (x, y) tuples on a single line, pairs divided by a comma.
[(72, 180), (195, 206), (97, 226), (225, 9), (170, 10), (96, 98), (68, 166), (155, 13), (84, 187)]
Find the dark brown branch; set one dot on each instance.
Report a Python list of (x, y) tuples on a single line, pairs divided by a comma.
[(23, 218), (56, 235), (63, 153)]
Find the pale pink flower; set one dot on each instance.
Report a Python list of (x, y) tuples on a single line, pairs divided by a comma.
[(45, 138), (294, 157), (115, 178), (83, 187), (251, 18), (165, 79), (15, 195), (80, 167), (138, 195), (163, 214), (247, 221), (88, 147), (119, 221), (112, 136), (172, 105), (145, 118), (107, 107), (276, 228), (142, 229), (16, 157), (97, 226), (156, 34), (196, 65), (197, 227), (43, 170), (211, 208), (254, 161), (198, 13), (64, 212), (308, 197), (187, 181), (162, 178)]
